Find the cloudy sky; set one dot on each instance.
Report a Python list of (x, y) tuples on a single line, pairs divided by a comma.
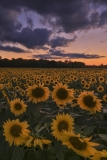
[(73, 30)]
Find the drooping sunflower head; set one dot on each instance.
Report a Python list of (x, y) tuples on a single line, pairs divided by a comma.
[(81, 146), (16, 131), (62, 122), (34, 141), (100, 155), (17, 106), (37, 93), (87, 100)]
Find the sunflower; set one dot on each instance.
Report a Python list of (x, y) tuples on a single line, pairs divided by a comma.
[(71, 77), (62, 122), (62, 95), (14, 79), (100, 155), (15, 131), (83, 81), (100, 88), (105, 97), (17, 88), (17, 106), (22, 92), (47, 82), (86, 85), (93, 80), (101, 79), (88, 101), (32, 141), (38, 93), (75, 78), (81, 146)]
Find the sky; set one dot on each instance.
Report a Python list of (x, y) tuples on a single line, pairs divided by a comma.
[(74, 30)]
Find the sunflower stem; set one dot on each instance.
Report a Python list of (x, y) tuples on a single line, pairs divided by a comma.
[(40, 130)]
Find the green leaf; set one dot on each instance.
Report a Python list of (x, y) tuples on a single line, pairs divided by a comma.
[(47, 125), (37, 126), (35, 108), (18, 153), (100, 115), (103, 137), (87, 131), (31, 156), (77, 129), (51, 149), (50, 155), (59, 151), (76, 157)]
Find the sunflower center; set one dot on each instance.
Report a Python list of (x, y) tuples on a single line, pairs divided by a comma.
[(89, 102), (103, 158), (63, 125), (62, 93), (74, 100), (15, 130), (100, 88), (38, 92), (18, 106), (76, 143)]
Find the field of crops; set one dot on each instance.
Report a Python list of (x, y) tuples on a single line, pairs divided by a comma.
[(53, 114)]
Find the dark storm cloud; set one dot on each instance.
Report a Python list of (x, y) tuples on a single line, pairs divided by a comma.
[(12, 49), (30, 22), (8, 21), (29, 38), (60, 42), (10, 30), (60, 54), (71, 15), (68, 16)]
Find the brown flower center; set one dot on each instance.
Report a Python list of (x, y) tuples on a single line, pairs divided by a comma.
[(74, 100), (15, 130), (76, 143), (38, 92), (103, 158), (63, 125), (18, 106), (100, 88), (89, 102), (62, 93)]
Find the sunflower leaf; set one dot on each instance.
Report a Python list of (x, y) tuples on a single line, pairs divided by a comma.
[(31, 156), (76, 157), (59, 151), (88, 130), (18, 153), (103, 137)]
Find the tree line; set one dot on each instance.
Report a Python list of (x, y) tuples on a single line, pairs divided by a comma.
[(43, 63)]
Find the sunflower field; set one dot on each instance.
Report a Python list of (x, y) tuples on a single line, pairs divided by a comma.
[(53, 114)]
